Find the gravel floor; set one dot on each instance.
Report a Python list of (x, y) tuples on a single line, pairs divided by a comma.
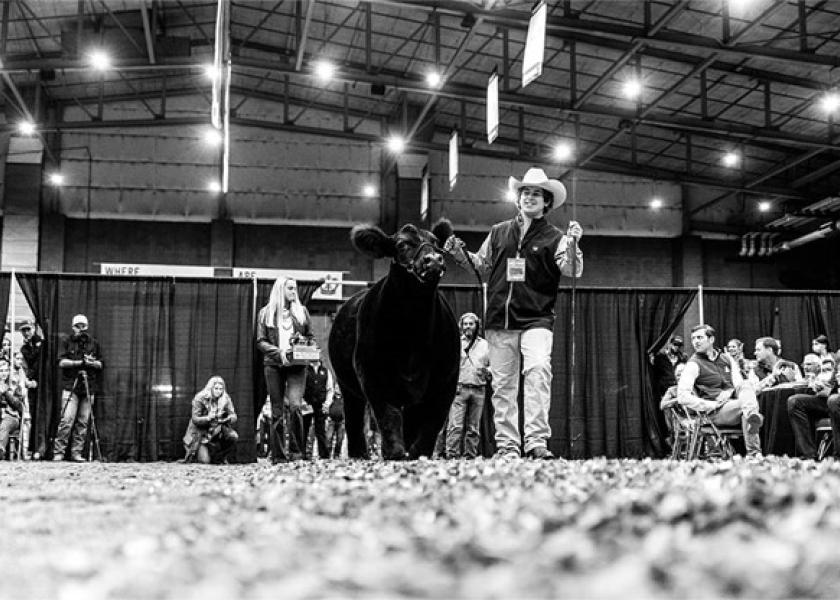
[(438, 529)]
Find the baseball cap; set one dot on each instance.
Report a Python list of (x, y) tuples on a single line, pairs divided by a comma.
[(80, 320), (677, 340), (27, 324)]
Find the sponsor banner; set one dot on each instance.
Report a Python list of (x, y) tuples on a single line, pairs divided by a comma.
[(155, 270), (532, 63), (330, 290)]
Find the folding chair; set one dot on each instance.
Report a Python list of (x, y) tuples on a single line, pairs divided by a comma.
[(826, 438), (696, 437), (14, 452)]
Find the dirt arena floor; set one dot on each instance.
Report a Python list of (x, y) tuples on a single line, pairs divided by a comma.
[(432, 529)]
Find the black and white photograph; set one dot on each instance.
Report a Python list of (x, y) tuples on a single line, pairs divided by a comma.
[(468, 299)]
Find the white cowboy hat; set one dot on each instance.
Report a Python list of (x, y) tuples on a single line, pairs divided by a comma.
[(537, 178)]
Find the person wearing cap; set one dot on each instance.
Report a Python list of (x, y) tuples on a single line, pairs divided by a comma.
[(80, 354), (465, 413), (664, 363), (523, 259)]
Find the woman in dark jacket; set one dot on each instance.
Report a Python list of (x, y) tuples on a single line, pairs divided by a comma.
[(280, 322)]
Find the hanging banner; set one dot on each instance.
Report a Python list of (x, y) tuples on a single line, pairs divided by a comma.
[(493, 107), (330, 290), (453, 159), (532, 62)]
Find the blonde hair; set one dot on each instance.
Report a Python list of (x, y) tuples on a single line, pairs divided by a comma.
[(207, 392), (277, 302)]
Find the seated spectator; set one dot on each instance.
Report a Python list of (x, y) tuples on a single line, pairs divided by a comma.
[(11, 407), (805, 409), (810, 364), (735, 349), (19, 377), (712, 384), (769, 372), (263, 433), (669, 398), (820, 346), (210, 435)]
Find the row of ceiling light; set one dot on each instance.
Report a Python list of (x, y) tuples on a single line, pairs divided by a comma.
[(325, 71)]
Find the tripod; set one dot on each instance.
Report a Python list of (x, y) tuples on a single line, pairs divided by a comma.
[(92, 437)]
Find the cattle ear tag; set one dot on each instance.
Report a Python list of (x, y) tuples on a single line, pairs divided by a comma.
[(516, 269)]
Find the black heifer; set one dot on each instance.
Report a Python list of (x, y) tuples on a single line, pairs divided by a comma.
[(396, 345)]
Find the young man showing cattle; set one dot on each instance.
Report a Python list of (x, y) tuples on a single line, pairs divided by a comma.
[(524, 259)]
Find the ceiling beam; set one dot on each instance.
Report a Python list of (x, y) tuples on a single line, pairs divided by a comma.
[(600, 165), (663, 39)]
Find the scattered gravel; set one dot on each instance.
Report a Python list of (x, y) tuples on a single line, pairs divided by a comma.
[(437, 529)]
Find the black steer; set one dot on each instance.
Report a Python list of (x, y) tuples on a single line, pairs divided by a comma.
[(396, 345)]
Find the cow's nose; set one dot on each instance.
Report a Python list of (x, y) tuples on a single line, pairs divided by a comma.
[(433, 258)]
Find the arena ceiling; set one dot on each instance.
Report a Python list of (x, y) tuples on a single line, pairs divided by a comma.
[(718, 76)]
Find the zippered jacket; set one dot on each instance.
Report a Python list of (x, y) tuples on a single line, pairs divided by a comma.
[(521, 305)]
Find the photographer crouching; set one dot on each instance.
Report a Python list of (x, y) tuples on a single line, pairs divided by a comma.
[(210, 436), (81, 362)]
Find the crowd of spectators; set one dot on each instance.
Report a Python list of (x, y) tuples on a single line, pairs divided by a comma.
[(723, 384)]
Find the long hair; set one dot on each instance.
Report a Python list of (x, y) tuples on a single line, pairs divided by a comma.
[(207, 392), (277, 302)]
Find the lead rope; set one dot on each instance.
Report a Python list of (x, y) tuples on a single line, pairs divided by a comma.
[(573, 363)]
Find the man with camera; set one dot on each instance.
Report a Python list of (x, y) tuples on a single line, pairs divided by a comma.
[(81, 362)]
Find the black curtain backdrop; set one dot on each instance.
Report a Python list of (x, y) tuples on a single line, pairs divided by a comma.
[(5, 284), (795, 318), (612, 411), (162, 340)]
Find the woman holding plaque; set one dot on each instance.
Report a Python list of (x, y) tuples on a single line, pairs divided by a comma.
[(281, 323)]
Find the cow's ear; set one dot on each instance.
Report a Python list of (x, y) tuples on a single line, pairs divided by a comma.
[(372, 241), (443, 230)]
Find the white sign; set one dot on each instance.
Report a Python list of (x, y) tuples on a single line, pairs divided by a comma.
[(155, 270), (492, 107), (453, 159), (330, 290), (532, 63)]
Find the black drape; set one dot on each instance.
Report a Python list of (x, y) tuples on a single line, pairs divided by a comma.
[(612, 411), (795, 318), (5, 283), (161, 340)]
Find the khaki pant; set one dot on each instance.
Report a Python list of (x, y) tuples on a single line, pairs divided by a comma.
[(741, 405)]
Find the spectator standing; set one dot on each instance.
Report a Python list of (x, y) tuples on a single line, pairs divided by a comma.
[(465, 413), (81, 363), (318, 394), (280, 322)]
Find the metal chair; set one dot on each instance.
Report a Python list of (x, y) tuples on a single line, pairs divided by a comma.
[(696, 437), (14, 452), (826, 438)]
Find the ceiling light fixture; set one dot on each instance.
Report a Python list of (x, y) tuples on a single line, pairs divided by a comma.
[(656, 203), (214, 186), (731, 159), (99, 60), (563, 151), (764, 205), (324, 70), (396, 144), (632, 88), (212, 136), (369, 191), (26, 127), (433, 79), (56, 179), (830, 102)]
